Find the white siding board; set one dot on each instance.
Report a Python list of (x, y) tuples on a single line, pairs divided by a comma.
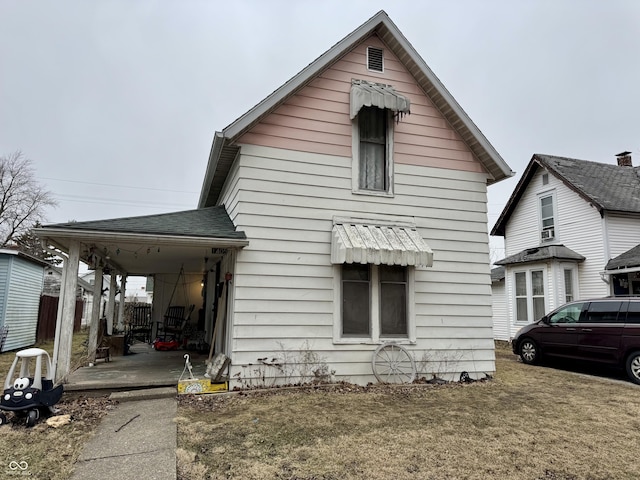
[(286, 201), (623, 232)]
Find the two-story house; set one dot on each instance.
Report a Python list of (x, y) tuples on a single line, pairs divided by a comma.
[(345, 211), (571, 229)]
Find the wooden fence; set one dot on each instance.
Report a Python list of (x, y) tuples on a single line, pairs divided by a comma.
[(47, 318)]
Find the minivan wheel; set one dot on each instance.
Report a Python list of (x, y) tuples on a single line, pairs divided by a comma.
[(633, 367), (529, 351)]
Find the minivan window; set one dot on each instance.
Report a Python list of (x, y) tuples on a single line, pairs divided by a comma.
[(633, 314), (603, 312), (567, 314)]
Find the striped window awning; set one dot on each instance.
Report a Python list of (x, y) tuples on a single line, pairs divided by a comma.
[(368, 94), (379, 245)]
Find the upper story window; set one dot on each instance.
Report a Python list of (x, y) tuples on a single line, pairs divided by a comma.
[(373, 135), (374, 107), (547, 218)]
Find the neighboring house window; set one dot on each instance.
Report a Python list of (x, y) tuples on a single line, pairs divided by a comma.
[(537, 294), (547, 218), (529, 295), (373, 152), (375, 301), (568, 285), (521, 297)]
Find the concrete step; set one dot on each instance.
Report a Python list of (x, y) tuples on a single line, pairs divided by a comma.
[(144, 394)]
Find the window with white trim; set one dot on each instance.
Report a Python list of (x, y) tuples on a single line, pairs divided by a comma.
[(373, 166), (547, 218), (568, 285), (375, 302), (530, 301)]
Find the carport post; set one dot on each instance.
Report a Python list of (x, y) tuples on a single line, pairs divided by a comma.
[(63, 362), (111, 304), (94, 324), (123, 290)]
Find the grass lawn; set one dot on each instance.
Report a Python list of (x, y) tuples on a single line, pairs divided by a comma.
[(527, 423), (49, 452)]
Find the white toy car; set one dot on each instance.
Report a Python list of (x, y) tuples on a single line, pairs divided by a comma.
[(30, 394)]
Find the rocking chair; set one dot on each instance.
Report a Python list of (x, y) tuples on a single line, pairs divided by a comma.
[(174, 322), (139, 328)]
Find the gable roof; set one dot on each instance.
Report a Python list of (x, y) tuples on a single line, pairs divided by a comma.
[(213, 222), (223, 150), (607, 187)]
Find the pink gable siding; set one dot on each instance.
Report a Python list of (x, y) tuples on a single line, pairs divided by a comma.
[(317, 120)]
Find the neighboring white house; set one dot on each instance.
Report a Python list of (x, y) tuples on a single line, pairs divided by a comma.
[(346, 210), (566, 227)]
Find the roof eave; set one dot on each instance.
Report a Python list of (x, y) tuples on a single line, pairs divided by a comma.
[(175, 240)]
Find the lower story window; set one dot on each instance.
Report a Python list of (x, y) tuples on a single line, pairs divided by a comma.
[(530, 301), (374, 301)]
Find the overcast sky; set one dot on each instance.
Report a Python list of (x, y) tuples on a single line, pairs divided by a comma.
[(116, 102)]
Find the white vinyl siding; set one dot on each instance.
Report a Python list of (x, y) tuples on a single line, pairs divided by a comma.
[(578, 226), (501, 327), (284, 290)]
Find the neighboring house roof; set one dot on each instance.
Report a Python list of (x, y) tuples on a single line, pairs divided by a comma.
[(81, 281), (497, 274), (204, 222), (25, 256), (223, 150), (537, 254), (629, 259), (607, 187)]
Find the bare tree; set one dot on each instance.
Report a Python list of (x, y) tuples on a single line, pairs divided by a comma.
[(22, 200)]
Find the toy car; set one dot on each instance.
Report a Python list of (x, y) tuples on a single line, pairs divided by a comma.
[(29, 395)]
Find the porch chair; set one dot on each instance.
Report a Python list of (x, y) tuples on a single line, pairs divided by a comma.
[(139, 327), (174, 322)]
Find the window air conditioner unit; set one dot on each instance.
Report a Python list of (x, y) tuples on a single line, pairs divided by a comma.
[(547, 234)]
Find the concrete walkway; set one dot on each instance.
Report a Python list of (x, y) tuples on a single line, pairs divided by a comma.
[(137, 439)]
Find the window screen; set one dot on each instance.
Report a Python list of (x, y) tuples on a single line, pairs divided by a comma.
[(356, 288), (372, 125)]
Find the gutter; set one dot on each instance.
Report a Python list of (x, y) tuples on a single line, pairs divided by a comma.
[(137, 237)]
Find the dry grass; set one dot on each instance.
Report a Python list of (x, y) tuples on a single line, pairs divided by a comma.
[(49, 452), (528, 423)]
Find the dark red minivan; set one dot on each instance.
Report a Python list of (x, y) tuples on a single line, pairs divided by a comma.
[(605, 331)]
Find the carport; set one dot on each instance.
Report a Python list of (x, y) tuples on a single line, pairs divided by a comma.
[(201, 244)]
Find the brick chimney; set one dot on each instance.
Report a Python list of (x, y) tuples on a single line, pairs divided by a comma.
[(624, 159)]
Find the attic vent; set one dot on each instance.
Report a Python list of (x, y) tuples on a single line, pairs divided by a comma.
[(545, 179), (375, 59)]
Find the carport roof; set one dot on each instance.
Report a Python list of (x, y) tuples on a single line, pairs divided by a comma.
[(203, 222), (150, 244)]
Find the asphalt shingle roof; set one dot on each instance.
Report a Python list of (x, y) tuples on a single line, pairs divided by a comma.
[(497, 274), (629, 259), (610, 187), (203, 222), (538, 254)]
